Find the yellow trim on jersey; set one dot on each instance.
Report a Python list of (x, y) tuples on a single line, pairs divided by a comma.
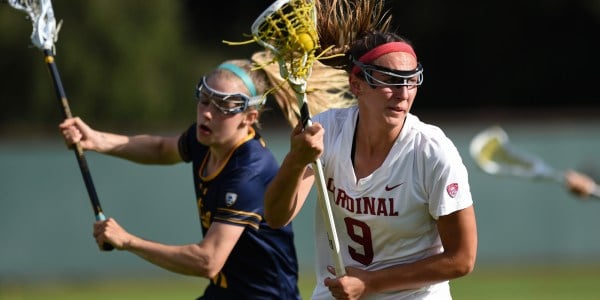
[(251, 134), (238, 212)]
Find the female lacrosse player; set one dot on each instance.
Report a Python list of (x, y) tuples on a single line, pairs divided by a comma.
[(239, 253), (400, 194)]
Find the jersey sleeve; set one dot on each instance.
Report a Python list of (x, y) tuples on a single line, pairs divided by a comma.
[(241, 199), (446, 180)]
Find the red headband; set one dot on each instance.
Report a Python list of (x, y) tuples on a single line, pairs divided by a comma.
[(380, 50)]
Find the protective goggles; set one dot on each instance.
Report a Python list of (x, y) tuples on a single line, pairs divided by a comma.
[(227, 103), (391, 78)]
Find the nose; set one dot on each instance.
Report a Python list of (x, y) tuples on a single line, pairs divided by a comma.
[(205, 110), (400, 92)]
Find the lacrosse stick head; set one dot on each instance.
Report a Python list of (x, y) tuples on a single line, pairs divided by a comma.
[(41, 14), (486, 145), (287, 32), (495, 155), (288, 29)]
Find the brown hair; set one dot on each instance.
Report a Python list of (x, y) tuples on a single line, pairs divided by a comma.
[(341, 23)]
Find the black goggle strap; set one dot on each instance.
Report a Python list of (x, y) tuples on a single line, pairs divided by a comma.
[(368, 70)]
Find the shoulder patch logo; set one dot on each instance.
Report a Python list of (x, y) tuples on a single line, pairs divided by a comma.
[(452, 189), (230, 199)]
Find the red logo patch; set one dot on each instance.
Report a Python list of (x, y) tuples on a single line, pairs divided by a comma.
[(452, 189)]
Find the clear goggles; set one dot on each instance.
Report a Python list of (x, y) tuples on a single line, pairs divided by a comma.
[(391, 78), (227, 103)]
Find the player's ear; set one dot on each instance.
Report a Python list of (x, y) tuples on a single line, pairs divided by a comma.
[(250, 117), (355, 84)]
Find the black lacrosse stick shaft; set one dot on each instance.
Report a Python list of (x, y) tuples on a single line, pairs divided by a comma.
[(304, 115), (83, 166)]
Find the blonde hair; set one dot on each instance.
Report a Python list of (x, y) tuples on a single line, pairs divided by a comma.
[(327, 88), (259, 77)]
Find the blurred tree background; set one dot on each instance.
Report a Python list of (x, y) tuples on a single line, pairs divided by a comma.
[(134, 64)]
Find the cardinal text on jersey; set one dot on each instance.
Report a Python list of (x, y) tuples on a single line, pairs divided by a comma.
[(364, 205)]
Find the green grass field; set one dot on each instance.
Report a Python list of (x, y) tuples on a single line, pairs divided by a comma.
[(548, 283)]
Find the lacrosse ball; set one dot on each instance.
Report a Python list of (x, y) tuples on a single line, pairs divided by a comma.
[(305, 41)]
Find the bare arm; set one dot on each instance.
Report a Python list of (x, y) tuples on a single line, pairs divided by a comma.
[(204, 259), (287, 192), (145, 149), (458, 232)]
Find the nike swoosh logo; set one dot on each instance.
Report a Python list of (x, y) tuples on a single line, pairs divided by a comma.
[(389, 188)]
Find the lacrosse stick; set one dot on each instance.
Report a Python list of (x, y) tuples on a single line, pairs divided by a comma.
[(44, 35), (287, 29), (495, 155)]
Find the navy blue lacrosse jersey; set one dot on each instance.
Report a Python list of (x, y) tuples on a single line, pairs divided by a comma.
[(263, 264)]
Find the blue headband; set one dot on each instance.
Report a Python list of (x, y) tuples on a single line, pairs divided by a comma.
[(239, 72)]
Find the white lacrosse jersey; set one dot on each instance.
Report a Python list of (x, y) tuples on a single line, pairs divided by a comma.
[(388, 217)]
